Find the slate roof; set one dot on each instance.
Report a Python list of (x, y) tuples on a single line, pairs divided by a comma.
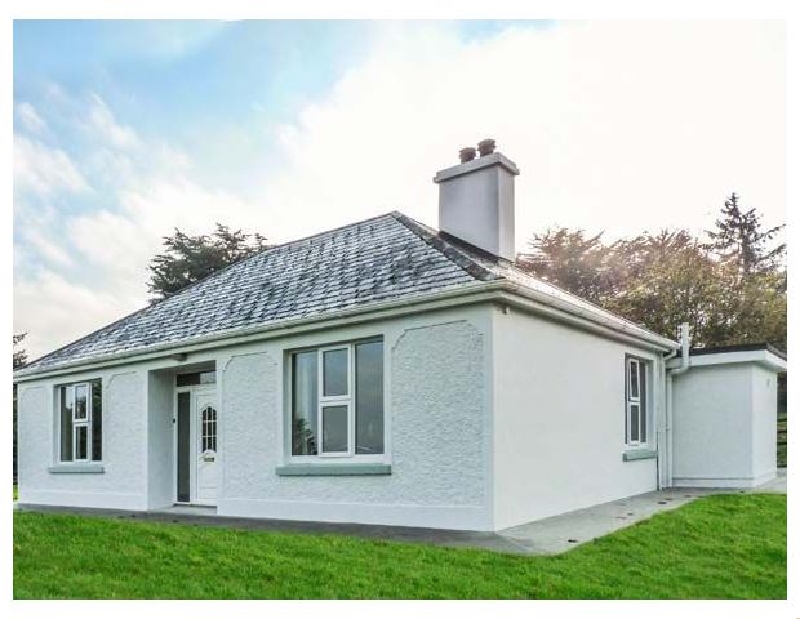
[(379, 259)]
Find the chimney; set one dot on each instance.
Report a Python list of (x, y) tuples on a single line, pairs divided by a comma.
[(476, 200)]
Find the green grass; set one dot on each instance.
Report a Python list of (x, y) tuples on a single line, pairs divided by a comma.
[(725, 546)]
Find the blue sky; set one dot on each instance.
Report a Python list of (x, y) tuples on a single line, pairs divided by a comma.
[(124, 129)]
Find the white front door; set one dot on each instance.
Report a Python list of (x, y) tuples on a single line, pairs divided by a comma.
[(206, 445)]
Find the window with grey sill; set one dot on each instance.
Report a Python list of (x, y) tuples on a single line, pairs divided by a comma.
[(637, 375), (337, 401), (80, 427)]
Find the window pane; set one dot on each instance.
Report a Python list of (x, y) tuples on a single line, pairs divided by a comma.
[(196, 378), (334, 429), (643, 402), (209, 438), (304, 403), (97, 421), (369, 398), (633, 379), (81, 442), (80, 401), (634, 421), (334, 370), (184, 446), (66, 423)]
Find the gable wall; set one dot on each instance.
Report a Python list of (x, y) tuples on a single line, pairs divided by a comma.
[(559, 432)]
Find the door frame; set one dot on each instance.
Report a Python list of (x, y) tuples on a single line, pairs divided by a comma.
[(193, 391)]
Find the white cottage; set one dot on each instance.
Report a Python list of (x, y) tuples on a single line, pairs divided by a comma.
[(381, 373)]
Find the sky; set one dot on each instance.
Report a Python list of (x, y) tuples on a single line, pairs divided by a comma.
[(124, 130)]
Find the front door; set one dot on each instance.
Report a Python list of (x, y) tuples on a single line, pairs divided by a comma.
[(205, 406), (196, 446)]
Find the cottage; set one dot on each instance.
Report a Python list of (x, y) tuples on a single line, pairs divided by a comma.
[(384, 373)]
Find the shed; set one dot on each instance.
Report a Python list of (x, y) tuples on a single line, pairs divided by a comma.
[(724, 424)]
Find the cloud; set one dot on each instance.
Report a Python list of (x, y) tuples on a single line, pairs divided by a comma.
[(616, 126), (43, 170), (102, 121), (30, 118)]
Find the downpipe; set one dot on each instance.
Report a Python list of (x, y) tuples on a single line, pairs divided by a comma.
[(685, 342)]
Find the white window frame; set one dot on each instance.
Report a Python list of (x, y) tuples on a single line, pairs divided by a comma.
[(636, 400), (322, 400), (77, 422), (335, 400)]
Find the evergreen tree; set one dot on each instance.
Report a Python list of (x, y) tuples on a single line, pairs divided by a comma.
[(188, 259), (739, 238)]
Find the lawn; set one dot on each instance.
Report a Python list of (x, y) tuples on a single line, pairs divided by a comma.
[(725, 546)]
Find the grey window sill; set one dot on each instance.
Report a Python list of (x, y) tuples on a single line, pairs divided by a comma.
[(67, 468), (636, 453), (332, 470)]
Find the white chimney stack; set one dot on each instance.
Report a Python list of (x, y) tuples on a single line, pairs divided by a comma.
[(476, 200)]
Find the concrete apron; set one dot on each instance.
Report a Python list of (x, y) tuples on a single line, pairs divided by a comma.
[(552, 535)]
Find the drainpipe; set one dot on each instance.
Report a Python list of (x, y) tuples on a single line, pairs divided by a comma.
[(685, 341)]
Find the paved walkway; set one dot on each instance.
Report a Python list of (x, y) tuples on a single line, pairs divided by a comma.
[(548, 536)]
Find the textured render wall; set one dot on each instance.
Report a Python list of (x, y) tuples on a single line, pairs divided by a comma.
[(123, 483), (559, 430), (436, 408), (160, 457), (712, 427), (765, 423)]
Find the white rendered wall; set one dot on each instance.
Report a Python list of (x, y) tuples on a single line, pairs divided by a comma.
[(436, 406), (123, 483), (559, 427), (160, 455), (765, 423), (724, 426)]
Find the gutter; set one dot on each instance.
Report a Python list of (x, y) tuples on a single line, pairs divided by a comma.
[(502, 291)]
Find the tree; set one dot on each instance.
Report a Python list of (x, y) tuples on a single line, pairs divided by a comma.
[(730, 291), (188, 259), (570, 260), (20, 359), (20, 356), (740, 239)]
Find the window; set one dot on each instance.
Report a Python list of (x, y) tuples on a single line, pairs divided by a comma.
[(209, 432), (337, 400), (196, 378), (636, 401), (80, 409)]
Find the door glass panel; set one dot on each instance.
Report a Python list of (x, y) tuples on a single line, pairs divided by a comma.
[(209, 427), (334, 369), (369, 398), (334, 429), (184, 444)]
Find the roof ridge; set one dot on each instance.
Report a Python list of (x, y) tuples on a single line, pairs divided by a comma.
[(448, 250)]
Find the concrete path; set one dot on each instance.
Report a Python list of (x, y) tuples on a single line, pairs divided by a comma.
[(549, 536)]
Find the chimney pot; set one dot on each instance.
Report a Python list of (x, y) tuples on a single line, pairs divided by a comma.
[(466, 154), (486, 147)]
